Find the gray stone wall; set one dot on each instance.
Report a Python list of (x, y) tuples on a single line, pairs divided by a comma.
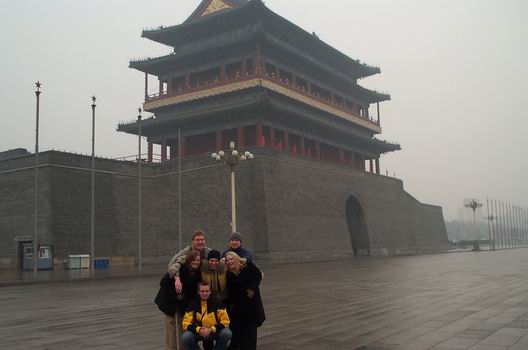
[(17, 207), (306, 200), (288, 208)]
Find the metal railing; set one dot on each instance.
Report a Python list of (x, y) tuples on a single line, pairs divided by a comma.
[(286, 83)]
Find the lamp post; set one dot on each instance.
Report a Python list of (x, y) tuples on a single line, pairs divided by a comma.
[(35, 217), (231, 158), (140, 255), (490, 219), (474, 204), (92, 219)]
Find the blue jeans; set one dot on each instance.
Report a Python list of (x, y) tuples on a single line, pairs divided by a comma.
[(190, 340)]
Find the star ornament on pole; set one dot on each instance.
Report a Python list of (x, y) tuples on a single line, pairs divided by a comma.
[(231, 158)]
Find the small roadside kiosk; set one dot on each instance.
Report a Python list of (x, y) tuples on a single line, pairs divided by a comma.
[(44, 259)]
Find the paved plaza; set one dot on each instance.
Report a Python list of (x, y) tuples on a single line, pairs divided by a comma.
[(445, 301)]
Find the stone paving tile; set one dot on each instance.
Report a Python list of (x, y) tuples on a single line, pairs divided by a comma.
[(488, 326), (437, 336), (518, 324), (516, 332), (458, 343), (524, 339), (417, 345), (519, 346), (475, 333), (406, 336), (488, 347), (505, 340)]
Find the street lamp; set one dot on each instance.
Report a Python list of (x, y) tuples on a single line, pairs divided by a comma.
[(140, 253), (231, 158), (491, 231), (474, 204), (490, 218), (35, 217), (92, 217)]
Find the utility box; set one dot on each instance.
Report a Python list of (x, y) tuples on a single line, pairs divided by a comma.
[(81, 261)]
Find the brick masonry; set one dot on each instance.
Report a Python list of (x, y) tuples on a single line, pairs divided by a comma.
[(288, 208)]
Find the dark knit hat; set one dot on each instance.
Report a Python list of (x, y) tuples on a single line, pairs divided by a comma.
[(236, 236), (214, 254)]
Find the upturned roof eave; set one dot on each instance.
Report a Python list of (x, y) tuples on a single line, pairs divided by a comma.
[(162, 35), (151, 65)]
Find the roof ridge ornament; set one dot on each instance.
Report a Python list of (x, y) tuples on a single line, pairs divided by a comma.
[(214, 6), (210, 7)]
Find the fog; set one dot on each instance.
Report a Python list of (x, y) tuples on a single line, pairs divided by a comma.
[(456, 70)]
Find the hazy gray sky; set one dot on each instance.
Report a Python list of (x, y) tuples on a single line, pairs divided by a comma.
[(457, 71)]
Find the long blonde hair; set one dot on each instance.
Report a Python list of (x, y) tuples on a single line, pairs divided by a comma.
[(240, 263)]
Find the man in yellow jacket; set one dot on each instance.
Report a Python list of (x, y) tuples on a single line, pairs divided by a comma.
[(206, 320)]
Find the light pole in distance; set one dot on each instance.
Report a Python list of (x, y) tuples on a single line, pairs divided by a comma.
[(474, 204), (231, 158)]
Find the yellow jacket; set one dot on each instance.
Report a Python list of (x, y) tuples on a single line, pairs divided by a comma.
[(210, 314)]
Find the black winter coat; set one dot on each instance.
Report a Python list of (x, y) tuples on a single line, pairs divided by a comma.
[(168, 301), (241, 308)]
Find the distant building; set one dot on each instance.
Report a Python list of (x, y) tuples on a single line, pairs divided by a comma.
[(13, 153), (237, 72)]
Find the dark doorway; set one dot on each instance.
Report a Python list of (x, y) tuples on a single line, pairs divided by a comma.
[(357, 227)]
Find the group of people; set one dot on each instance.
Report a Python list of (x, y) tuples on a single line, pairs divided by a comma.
[(211, 297)]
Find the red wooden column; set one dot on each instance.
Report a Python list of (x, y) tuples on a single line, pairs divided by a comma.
[(164, 150), (341, 156), (371, 165), (187, 80), (317, 148), (182, 144), (363, 165), (262, 64), (150, 152), (174, 149), (377, 166), (258, 57), (259, 134), (219, 140), (160, 87), (244, 67), (359, 161), (240, 137), (223, 73), (169, 86), (146, 87), (303, 147)]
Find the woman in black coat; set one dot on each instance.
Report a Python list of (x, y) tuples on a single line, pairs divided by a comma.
[(244, 303), (173, 305)]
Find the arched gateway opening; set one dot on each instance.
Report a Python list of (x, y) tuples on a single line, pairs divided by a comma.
[(357, 227)]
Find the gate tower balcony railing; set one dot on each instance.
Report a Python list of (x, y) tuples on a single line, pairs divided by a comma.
[(155, 100)]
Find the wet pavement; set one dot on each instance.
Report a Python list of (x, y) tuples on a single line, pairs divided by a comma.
[(445, 301)]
